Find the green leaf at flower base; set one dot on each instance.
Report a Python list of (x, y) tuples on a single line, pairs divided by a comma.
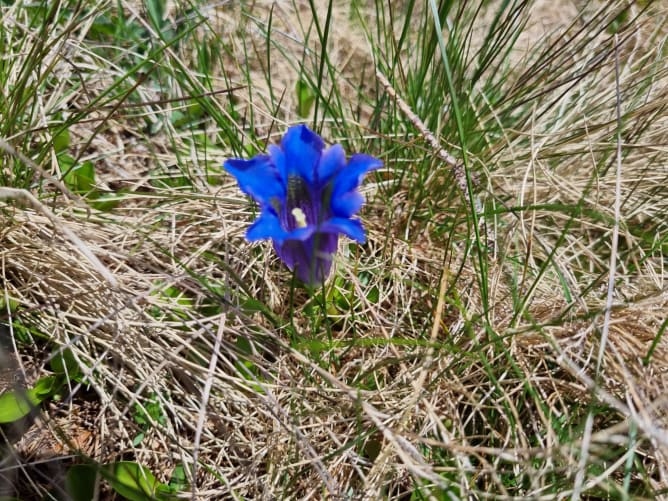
[(80, 482), (246, 367), (10, 304), (80, 178), (135, 482), (169, 177), (250, 149), (138, 438), (46, 386), (171, 302), (179, 480), (24, 334), (187, 116), (105, 202), (61, 141), (305, 98), (150, 411), (251, 305), (373, 296), (17, 404), (63, 362)]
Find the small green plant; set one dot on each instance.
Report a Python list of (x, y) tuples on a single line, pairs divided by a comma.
[(147, 414), (129, 479), (16, 404), (305, 98), (64, 363)]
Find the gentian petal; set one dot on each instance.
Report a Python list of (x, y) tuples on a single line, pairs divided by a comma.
[(291, 252), (349, 178), (347, 205), (266, 226), (333, 160), (257, 177), (312, 259), (325, 243), (350, 227), (277, 156), (301, 233), (302, 148)]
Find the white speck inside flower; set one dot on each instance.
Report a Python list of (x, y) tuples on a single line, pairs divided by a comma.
[(300, 217)]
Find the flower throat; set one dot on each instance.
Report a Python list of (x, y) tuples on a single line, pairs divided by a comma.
[(299, 206)]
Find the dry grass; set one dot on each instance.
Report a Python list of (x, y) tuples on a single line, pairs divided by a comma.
[(399, 385)]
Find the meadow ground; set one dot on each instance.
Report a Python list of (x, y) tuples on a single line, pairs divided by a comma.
[(501, 334)]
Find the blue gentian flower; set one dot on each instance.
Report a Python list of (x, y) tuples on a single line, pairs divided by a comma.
[(307, 196)]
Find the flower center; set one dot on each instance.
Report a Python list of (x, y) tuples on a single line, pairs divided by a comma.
[(299, 208), (300, 217)]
